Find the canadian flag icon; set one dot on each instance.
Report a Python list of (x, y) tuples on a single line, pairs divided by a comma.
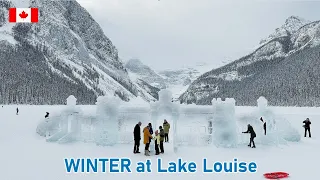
[(27, 15)]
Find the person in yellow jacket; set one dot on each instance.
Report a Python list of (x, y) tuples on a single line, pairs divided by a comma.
[(166, 128), (146, 140), (156, 142)]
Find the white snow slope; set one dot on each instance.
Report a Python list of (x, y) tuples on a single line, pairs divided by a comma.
[(26, 156)]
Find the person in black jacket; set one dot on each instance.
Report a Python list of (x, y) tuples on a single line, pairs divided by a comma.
[(151, 131), (137, 137), (306, 126), (264, 126), (252, 135), (47, 115), (162, 135)]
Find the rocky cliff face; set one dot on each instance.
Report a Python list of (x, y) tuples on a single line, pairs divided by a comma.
[(268, 71), (65, 53)]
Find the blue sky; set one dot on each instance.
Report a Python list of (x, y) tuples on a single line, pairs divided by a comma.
[(169, 34)]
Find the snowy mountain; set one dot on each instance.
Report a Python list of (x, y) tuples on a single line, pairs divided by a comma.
[(65, 53), (138, 70), (284, 69), (176, 80), (179, 80), (291, 25)]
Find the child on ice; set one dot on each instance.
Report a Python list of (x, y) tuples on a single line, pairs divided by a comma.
[(156, 142)]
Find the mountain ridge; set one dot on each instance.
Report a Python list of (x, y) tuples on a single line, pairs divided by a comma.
[(232, 79), (66, 53)]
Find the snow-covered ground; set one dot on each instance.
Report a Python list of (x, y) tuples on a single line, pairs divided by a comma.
[(26, 155)]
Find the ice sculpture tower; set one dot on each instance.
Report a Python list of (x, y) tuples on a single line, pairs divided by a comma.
[(107, 116), (165, 106), (224, 123)]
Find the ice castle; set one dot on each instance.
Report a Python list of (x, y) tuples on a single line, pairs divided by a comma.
[(191, 125)]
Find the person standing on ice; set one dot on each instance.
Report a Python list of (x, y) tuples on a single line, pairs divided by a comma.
[(252, 135), (156, 141), (146, 140), (264, 126), (161, 139), (166, 128), (17, 111), (137, 137), (306, 126), (151, 132), (47, 115)]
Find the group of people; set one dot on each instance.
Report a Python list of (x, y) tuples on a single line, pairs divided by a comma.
[(158, 137), (250, 130)]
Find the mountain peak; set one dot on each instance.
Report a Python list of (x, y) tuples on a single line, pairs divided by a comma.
[(134, 62), (291, 25), (295, 20)]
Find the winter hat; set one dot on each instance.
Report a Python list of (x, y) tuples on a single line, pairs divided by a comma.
[(160, 127), (150, 125)]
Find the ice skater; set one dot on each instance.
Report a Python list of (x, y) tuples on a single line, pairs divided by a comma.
[(161, 139), (17, 111), (146, 140), (252, 135), (264, 126), (166, 128), (137, 137), (306, 126), (156, 142)]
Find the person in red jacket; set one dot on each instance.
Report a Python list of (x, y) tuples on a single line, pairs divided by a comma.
[(306, 126)]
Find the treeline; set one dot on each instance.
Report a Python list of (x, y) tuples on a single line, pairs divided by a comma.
[(27, 79), (293, 81)]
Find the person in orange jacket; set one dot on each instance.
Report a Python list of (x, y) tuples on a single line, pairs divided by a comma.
[(146, 140)]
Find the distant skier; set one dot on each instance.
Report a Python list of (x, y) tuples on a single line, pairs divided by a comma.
[(17, 111), (264, 126), (137, 137), (166, 128), (252, 135), (47, 115), (161, 139), (306, 126)]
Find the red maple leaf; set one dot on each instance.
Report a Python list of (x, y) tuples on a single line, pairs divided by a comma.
[(23, 15)]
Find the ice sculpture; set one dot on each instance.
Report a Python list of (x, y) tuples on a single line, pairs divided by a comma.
[(114, 120), (107, 117), (166, 108), (224, 123), (71, 101), (276, 125), (195, 125), (279, 129), (62, 127)]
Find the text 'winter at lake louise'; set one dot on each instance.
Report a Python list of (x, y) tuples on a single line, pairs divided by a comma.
[(125, 165)]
